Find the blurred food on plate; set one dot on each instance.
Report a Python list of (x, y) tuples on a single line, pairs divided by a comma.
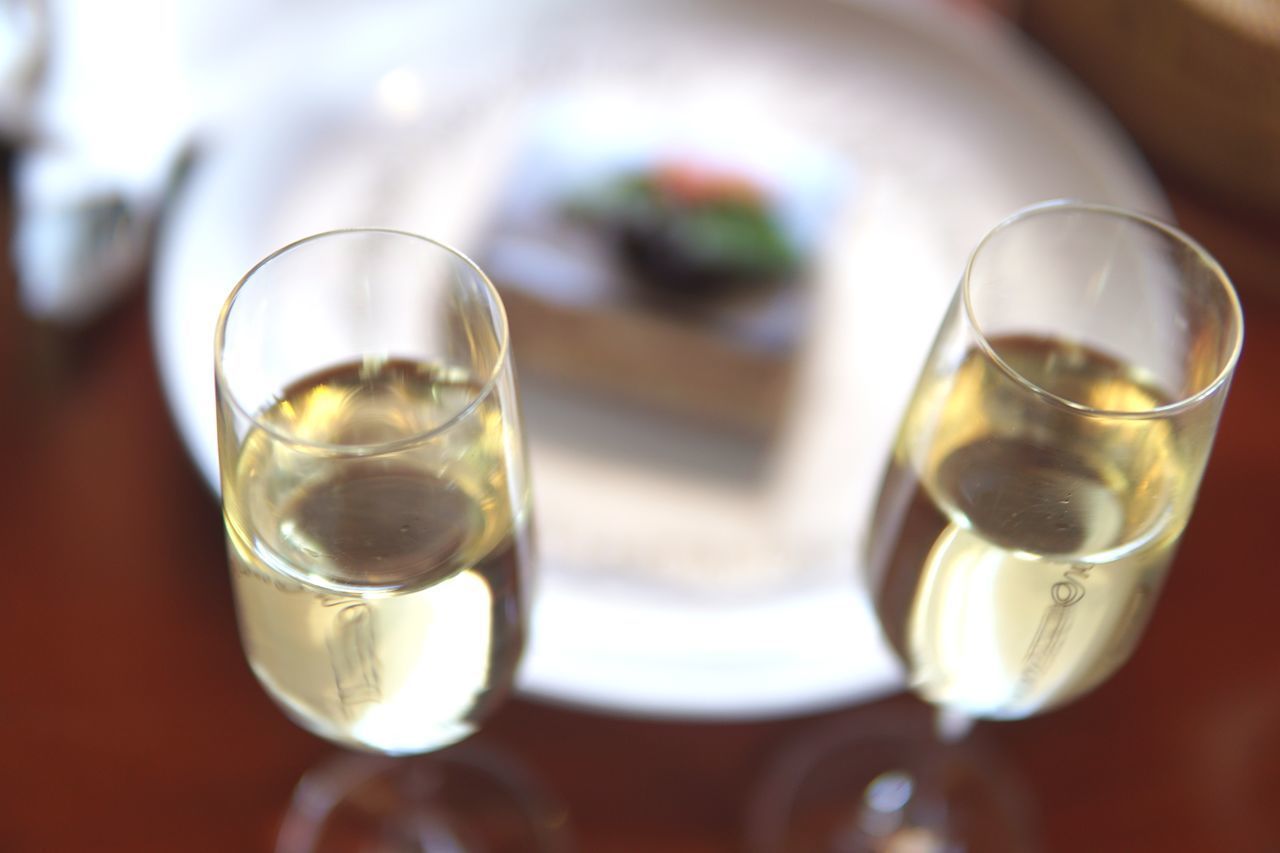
[(662, 260)]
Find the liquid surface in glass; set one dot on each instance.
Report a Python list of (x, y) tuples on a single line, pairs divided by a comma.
[(380, 596), (1017, 546)]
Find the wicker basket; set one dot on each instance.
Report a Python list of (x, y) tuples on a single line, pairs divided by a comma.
[(1197, 82)]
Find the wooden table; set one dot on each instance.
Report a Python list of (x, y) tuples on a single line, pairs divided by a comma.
[(130, 720)]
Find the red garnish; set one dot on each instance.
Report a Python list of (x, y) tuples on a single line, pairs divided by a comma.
[(690, 184)]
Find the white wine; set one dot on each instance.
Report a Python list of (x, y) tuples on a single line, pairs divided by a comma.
[(379, 591), (1017, 545)]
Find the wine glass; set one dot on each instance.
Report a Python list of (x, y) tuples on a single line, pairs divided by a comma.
[(1042, 476), (376, 501)]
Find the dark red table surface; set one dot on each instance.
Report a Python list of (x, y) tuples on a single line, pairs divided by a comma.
[(130, 721)]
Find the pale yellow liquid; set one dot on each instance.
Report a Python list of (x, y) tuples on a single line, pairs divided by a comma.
[(380, 598), (1018, 547)]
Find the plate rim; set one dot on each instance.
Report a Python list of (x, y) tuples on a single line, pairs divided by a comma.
[(984, 40)]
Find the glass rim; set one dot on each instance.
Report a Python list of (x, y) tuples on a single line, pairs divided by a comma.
[(1185, 401), (376, 448)]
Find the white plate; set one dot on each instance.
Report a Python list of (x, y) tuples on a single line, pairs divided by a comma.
[(666, 591)]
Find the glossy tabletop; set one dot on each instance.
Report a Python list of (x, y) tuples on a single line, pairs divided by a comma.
[(130, 721)]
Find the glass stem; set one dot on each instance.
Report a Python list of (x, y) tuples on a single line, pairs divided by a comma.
[(951, 726)]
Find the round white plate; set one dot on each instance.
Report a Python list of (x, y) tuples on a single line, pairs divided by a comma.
[(666, 588)]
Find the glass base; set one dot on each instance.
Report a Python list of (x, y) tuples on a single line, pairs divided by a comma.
[(887, 784), (466, 799)]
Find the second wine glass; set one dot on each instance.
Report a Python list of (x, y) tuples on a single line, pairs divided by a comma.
[(1045, 469), (1050, 457)]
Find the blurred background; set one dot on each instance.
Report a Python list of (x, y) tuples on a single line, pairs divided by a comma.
[(725, 232)]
